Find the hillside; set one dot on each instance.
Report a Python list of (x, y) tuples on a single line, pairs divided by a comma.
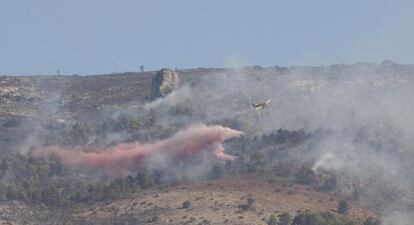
[(213, 202), (331, 134), (218, 202)]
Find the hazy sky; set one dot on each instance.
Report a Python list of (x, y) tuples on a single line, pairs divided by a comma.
[(104, 36)]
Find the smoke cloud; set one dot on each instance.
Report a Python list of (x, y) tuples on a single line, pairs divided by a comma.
[(367, 106), (190, 143)]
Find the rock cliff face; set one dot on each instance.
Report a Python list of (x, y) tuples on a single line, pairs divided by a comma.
[(165, 82)]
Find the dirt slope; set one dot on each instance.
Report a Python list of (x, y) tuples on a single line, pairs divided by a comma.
[(218, 202)]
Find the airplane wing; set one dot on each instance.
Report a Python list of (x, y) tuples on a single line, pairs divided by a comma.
[(258, 107), (268, 101)]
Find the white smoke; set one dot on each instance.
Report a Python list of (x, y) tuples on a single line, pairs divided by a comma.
[(369, 110)]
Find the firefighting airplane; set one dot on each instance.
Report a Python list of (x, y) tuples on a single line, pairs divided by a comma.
[(262, 105)]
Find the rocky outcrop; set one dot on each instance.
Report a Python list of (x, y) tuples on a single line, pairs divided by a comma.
[(165, 82)]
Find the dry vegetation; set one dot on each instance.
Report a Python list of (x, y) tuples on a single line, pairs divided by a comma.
[(218, 202), (243, 194)]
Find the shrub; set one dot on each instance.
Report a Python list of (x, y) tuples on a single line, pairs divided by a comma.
[(249, 203), (272, 220), (285, 219), (371, 221), (309, 218), (186, 205), (343, 207)]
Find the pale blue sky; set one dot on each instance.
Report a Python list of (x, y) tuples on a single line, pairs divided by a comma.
[(103, 36)]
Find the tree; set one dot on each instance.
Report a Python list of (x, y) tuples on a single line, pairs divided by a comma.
[(216, 172), (272, 220), (343, 207), (356, 194), (250, 201), (285, 219), (371, 221), (144, 179)]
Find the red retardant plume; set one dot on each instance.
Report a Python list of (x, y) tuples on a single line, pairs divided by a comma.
[(122, 159)]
